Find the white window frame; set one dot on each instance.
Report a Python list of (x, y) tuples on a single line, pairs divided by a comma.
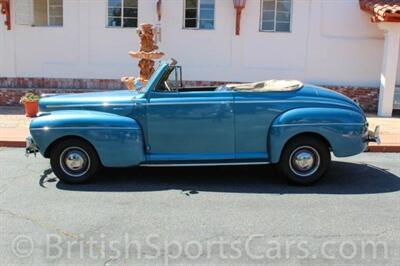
[(197, 18), (276, 7), (122, 16)]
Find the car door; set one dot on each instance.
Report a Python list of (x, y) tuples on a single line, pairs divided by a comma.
[(190, 126), (254, 113)]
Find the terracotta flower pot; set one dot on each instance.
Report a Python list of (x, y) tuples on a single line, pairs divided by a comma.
[(31, 109)]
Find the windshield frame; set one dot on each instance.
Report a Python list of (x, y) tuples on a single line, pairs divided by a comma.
[(157, 75)]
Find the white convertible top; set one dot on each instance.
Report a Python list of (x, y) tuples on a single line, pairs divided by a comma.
[(267, 85)]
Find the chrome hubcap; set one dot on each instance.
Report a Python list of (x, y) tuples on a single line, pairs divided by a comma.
[(74, 161), (304, 161)]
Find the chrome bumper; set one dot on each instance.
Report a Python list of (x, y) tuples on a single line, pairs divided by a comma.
[(31, 147), (373, 136)]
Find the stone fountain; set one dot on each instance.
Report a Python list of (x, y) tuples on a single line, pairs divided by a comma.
[(146, 55)]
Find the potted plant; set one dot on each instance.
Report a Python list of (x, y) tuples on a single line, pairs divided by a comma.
[(30, 101)]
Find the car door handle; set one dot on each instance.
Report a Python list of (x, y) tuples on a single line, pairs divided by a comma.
[(227, 104)]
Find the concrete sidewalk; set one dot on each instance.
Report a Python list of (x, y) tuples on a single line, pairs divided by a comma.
[(13, 126), (14, 129), (390, 134)]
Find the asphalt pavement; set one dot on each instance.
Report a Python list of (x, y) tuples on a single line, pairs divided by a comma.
[(224, 215)]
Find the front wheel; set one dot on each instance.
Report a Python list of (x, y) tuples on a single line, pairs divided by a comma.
[(305, 159), (74, 161)]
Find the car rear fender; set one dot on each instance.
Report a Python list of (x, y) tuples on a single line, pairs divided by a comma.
[(343, 129)]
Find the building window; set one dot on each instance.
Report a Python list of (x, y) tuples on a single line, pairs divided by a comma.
[(276, 15), (199, 14), (47, 12), (123, 13)]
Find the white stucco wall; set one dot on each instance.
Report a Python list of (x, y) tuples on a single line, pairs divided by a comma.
[(332, 43)]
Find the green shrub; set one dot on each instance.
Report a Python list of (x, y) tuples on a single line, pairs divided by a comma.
[(29, 97)]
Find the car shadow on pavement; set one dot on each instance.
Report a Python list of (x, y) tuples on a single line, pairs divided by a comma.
[(342, 178)]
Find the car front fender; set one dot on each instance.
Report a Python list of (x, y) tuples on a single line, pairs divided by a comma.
[(344, 130), (117, 139)]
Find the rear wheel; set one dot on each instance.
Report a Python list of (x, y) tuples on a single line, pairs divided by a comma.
[(305, 159), (74, 161)]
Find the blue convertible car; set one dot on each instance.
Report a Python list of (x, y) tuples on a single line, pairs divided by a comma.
[(165, 124)]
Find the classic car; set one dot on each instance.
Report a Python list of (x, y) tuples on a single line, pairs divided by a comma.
[(287, 123)]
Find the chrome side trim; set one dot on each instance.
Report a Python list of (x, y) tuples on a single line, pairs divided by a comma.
[(320, 124), (186, 103), (196, 102), (246, 102), (63, 128), (86, 105), (132, 104), (292, 101), (201, 164)]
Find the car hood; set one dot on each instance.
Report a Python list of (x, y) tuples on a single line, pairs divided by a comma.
[(117, 102)]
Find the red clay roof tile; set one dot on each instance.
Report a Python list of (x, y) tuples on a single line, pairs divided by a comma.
[(382, 10)]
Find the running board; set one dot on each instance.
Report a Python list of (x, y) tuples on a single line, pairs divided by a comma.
[(200, 164)]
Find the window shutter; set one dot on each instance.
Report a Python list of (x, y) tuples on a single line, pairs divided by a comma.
[(24, 12)]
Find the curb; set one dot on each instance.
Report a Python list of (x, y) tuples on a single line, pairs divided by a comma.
[(384, 148), (12, 143), (372, 148)]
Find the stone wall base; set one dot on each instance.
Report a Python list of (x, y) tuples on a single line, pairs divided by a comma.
[(12, 89)]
